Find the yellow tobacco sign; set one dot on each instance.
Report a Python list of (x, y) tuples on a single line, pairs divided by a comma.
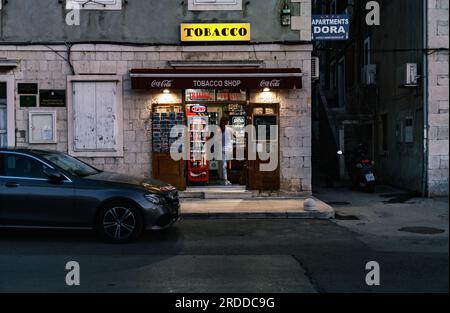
[(216, 32)]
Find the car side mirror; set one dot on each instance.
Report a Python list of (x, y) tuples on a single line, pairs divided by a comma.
[(53, 174)]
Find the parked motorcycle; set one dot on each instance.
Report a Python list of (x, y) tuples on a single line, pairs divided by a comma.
[(361, 169)]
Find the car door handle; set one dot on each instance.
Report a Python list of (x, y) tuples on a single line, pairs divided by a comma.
[(12, 185)]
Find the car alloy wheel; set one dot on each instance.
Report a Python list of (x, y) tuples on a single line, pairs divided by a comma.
[(119, 223)]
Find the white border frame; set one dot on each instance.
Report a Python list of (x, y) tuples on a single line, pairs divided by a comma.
[(119, 149), (10, 109), (31, 113), (215, 7)]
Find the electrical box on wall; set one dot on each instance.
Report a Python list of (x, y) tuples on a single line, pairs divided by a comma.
[(407, 75), (369, 74), (409, 130)]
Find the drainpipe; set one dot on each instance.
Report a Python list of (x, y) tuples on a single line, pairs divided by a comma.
[(425, 97)]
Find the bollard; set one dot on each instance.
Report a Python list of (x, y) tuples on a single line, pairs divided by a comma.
[(309, 205)]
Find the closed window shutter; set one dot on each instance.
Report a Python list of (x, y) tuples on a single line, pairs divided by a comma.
[(95, 107), (106, 105), (84, 116), (3, 136), (3, 116)]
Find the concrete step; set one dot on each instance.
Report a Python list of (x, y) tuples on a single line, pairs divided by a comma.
[(216, 192), (196, 195), (234, 192), (254, 208)]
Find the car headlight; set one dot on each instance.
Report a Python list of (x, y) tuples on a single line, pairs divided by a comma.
[(155, 199)]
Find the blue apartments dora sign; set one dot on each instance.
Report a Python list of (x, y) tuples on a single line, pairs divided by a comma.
[(330, 27)]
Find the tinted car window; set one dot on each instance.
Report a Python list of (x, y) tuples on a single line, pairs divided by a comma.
[(69, 164), (12, 165)]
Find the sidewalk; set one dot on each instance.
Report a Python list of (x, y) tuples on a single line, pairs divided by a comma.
[(391, 219), (254, 208)]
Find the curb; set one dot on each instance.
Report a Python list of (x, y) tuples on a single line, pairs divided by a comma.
[(267, 215)]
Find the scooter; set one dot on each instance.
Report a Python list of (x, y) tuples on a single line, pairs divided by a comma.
[(361, 172)]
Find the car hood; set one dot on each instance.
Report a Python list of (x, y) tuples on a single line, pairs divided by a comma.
[(126, 179)]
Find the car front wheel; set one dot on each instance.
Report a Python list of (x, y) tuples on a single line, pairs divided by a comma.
[(119, 223)]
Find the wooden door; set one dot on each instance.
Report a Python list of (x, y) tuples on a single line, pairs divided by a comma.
[(257, 179), (168, 170)]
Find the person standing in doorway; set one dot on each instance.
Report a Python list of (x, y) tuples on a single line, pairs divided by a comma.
[(227, 150)]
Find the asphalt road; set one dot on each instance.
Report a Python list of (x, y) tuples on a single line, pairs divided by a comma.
[(261, 255)]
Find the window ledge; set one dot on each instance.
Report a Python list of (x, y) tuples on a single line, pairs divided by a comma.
[(96, 154), (109, 5)]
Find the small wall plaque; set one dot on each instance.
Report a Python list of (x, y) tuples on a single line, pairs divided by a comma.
[(28, 101), (52, 98), (27, 89)]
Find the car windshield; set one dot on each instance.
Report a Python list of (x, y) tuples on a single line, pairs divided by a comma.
[(70, 164)]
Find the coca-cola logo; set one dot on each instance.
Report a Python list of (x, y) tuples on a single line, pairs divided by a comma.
[(162, 83), (274, 83)]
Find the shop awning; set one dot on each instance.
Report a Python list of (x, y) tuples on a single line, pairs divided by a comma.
[(216, 78)]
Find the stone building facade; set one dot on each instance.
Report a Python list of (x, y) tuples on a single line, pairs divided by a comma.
[(438, 97), (50, 69)]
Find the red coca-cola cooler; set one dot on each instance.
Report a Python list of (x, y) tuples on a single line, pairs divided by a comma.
[(198, 165)]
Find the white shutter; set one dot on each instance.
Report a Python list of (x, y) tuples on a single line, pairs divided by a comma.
[(3, 117), (95, 110), (3, 127), (106, 104), (84, 108)]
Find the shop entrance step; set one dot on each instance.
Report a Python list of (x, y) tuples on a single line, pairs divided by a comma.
[(216, 192)]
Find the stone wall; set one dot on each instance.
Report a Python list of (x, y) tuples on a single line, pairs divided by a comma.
[(48, 67), (438, 97)]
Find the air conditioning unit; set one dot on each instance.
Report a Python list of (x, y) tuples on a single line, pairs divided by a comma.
[(369, 74), (315, 68), (407, 75)]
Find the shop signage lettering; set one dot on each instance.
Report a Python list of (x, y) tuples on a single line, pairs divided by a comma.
[(216, 32), (274, 83), (220, 79), (162, 84), (217, 83), (330, 27)]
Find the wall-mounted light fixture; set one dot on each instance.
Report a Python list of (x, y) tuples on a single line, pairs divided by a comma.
[(286, 14), (266, 89), (166, 91)]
